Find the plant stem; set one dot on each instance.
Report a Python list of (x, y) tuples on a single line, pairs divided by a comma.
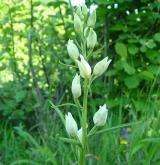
[(84, 124)]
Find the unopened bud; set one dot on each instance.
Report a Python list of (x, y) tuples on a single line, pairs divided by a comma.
[(84, 10), (100, 116), (91, 39), (76, 86), (101, 67), (84, 67), (86, 31), (71, 125), (79, 13), (92, 19), (78, 26), (72, 50)]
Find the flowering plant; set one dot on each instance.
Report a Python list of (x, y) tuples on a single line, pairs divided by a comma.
[(79, 52)]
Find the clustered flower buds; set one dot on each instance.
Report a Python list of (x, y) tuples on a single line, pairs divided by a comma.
[(84, 23)]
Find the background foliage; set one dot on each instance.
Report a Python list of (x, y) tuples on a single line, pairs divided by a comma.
[(35, 75)]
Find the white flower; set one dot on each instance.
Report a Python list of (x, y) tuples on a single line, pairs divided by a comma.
[(76, 86), (92, 8), (101, 66), (91, 39), (84, 67), (77, 2), (92, 19), (100, 116), (71, 125), (72, 50), (79, 135)]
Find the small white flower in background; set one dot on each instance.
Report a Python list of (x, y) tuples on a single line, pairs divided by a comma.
[(84, 67), (136, 11), (76, 86), (100, 116), (127, 12), (79, 135), (91, 39), (78, 25), (109, 7), (77, 2), (101, 67), (92, 19), (72, 50), (116, 5), (71, 125), (92, 8)]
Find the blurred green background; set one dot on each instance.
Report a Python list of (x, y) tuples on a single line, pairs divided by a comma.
[(34, 74)]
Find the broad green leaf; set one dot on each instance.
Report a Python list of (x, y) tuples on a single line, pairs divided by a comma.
[(151, 54), (121, 50), (132, 49), (150, 44), (128, 68), (131, 82), (147, 75), (157, 37)]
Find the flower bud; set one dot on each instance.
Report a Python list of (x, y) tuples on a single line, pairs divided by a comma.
[(79, 13), (91, 39), (71, 125), (84, 10), (92, 19), (78, 26), (72, 50), (76, 86), (84, 67), (86, 31), (100, 116), (101, 67)]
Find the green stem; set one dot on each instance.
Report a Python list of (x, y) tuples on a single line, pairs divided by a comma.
[(84, 125)]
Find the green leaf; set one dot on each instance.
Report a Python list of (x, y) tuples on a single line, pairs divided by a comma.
[(151, 54), (2, 67), (131, 82), (136, 148), (128, 69), (116, 127), (151, 44), (157, 37), (71, 141), (20, 95), (151, 140), (132, 49), (143, 48), (147, 75), (121, 50)]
